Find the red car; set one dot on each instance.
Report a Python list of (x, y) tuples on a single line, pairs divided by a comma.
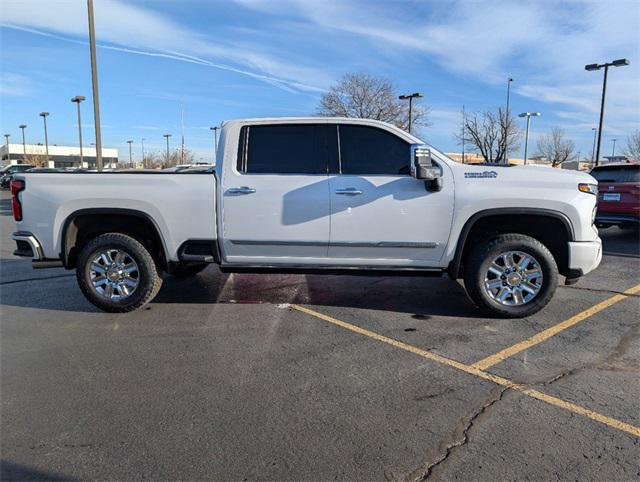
[(619, 195)]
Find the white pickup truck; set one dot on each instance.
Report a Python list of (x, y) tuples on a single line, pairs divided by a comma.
[(315, 195)]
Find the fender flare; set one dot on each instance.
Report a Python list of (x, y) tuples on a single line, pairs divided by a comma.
[(454, 266), (64, 255)]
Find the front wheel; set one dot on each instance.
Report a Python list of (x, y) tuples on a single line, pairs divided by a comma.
[(511, 276), (117, 273)]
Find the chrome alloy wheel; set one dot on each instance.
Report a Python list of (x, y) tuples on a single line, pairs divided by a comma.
[(114, 274), (514, 278)]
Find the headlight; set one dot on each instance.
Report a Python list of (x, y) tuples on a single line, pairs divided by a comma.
[(588, 188)]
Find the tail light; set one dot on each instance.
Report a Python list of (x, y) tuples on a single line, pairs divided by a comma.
[(16, 187)]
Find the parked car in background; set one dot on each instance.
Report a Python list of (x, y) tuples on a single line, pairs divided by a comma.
[(619, 195), (7, 172)]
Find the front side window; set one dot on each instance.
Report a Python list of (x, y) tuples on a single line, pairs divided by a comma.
[(282, 149), (369, 150)]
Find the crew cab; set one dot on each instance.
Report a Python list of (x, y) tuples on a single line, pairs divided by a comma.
[(315, 195)]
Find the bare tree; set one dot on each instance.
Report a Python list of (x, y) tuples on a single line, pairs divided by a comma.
[(492, 134), (556, 148), (37, 160), (632, 149), (366, 96)]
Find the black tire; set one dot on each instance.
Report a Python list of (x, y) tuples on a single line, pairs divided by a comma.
[(484, 253), (148, 276), (188, 270)]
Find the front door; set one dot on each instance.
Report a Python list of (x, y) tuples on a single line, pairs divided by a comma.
[(275, 200), (379, 213)]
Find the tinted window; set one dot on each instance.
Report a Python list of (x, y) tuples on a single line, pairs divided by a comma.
[(368, 150), (617, 174), (283, 149)]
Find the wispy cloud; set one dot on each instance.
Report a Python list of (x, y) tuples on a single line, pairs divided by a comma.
[(14, 85), (134, 30)]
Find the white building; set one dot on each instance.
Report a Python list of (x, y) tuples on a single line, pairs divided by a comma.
[(59, 156)]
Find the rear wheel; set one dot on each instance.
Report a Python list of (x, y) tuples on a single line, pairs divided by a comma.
[(511, 276), (117, 273)]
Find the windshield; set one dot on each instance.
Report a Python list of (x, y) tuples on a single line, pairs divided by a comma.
[(617, 174)]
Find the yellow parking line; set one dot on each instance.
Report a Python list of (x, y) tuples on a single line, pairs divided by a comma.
[(554, 330), (557, 402)]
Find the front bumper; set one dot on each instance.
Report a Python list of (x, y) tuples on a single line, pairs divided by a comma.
[(584, 256)]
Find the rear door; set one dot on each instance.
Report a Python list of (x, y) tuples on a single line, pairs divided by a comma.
[(380, 214), (276, 197)]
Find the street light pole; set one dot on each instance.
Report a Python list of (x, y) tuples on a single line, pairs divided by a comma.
[(410, 97), (142, 142), (166, 136), (591, 68), (593, 152), (94, 84), (215, 141), (77, 99), (507, 117), (613, 152), (528, 115), (6, 136), (46, 139), (130, 153), (24, 144)]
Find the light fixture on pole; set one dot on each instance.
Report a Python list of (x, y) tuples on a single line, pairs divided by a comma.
[(415, 95), (166, 136), (613, 152), (46, 139), (6, 136), (528, 115), (130, 153), (77, 99), (24, 143), (94, 84), (215, 141), (593, 152), (591, 68)]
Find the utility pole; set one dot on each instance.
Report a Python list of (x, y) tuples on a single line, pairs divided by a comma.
[(77, 99), (46, 139), (6, 136), (24, 144), (415, 95), (142, 141), (594, 67), (94, 83)]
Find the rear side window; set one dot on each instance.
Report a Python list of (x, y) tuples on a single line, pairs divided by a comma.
[(617, 174), (282, 149), (368, 150)]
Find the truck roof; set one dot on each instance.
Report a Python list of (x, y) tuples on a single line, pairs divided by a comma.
[(328, 120)]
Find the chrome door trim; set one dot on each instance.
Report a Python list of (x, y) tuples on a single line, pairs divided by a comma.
[(350, 244)]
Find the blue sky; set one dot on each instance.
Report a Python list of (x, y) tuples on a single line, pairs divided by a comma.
[(249, 58)]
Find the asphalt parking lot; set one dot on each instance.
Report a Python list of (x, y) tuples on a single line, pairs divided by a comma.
[(317, 377)]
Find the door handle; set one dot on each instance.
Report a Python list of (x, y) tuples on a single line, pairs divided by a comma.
[(349, 191), (241, 190)]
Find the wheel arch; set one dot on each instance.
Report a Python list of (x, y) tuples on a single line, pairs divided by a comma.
[(138, 224), (477, 223)]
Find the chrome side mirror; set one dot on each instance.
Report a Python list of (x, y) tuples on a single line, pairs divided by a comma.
[(424, 169)]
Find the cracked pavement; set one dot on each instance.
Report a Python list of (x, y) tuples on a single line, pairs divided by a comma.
[(217, 379)]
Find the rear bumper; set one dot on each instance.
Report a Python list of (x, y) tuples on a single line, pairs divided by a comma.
[(27, 246), (584, 256)]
